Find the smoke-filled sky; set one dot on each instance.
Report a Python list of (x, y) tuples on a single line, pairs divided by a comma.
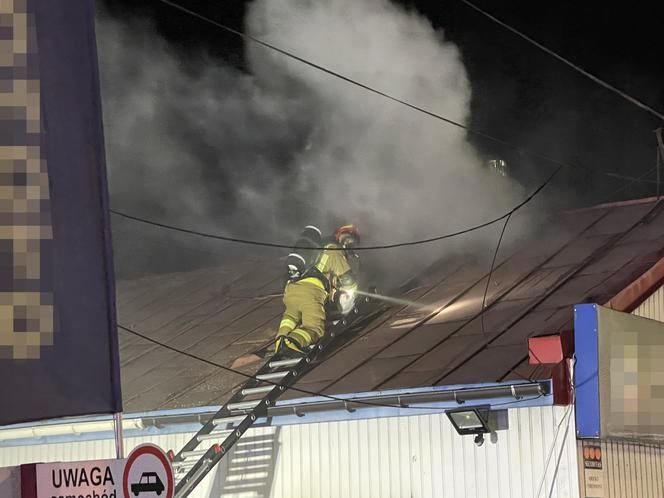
[(223, 137)]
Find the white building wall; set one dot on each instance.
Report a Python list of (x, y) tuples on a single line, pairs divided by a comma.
[(630, 469), (653, 307), (400, 457)]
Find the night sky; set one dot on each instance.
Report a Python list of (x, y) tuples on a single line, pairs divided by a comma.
[(520, 94)]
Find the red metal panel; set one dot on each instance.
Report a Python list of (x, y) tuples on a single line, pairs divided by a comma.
[(637, 292), (562, 383), (546, 349)]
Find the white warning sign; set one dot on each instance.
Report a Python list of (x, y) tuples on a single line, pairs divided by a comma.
[(146, 473), (90, 479)]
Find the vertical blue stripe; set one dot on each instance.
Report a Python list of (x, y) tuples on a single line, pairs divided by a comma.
[(586, 376)]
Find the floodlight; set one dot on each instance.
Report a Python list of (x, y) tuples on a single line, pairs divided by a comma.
[(471, 420)]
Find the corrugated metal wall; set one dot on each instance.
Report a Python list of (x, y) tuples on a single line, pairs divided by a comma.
[(404, 457), (631, 470), (653, 307)]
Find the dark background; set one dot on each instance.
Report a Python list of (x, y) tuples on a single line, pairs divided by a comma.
[(520, 93)]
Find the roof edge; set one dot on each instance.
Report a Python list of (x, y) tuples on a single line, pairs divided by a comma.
[(628, 299), (314, 409), (633, 202)]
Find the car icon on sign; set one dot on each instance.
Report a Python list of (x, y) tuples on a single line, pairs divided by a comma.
[(149, 481)]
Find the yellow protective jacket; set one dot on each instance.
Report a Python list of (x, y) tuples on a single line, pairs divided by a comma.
[(334, 266)]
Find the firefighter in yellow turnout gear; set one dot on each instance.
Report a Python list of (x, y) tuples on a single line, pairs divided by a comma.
[(303, 322)]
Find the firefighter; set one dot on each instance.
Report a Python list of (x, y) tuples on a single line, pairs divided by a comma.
[(330, 277)]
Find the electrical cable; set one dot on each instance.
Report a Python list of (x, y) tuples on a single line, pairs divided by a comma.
[(347, 79), (562, 446), (486, 288), (493, 264), (296, 389), (611, 196), (288, 246), (567, 416), (506, 216), (154, 341), (169, 244), (594, 78), (517, 401), (536, 367), (361, 248)]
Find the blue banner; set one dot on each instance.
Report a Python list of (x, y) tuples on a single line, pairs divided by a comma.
[(58, 337)]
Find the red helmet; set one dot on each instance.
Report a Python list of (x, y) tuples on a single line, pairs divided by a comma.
[(347, 235)]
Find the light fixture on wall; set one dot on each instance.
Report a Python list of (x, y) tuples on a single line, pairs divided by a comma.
[(471, 420)]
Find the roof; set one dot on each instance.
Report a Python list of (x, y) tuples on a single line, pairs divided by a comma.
[(605, 254)]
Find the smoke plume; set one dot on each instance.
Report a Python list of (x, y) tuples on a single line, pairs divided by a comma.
[(259, 154)]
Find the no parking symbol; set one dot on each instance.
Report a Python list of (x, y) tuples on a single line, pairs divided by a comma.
[(147, 473)]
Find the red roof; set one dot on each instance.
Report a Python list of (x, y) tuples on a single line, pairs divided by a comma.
[(610, 253)]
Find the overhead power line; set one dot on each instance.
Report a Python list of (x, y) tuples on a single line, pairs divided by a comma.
[(566, 416), (362, 248), (562, 59), (625, 186), (285, 53), (493, 265), (288, 246), (296, 389)]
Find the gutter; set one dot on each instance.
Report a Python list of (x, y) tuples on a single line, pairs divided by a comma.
[(315, 409), (404, 400)]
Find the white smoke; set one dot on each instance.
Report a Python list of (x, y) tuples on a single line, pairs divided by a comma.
[(398, 172), (264, 153)]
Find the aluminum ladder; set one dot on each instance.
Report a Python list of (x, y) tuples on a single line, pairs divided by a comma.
[(252, 401)]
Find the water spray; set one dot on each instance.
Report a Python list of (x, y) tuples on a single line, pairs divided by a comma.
[(394, 300)]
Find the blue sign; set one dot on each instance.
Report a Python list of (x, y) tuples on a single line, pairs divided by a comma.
[(586, 348)]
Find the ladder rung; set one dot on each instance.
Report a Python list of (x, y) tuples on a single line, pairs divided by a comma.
[(193, 453), (184, 468), (285, 363), (244, 405), (251, 458), (218, 435), (257, 390), (273, 375), (192, 480), (228, 420)]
